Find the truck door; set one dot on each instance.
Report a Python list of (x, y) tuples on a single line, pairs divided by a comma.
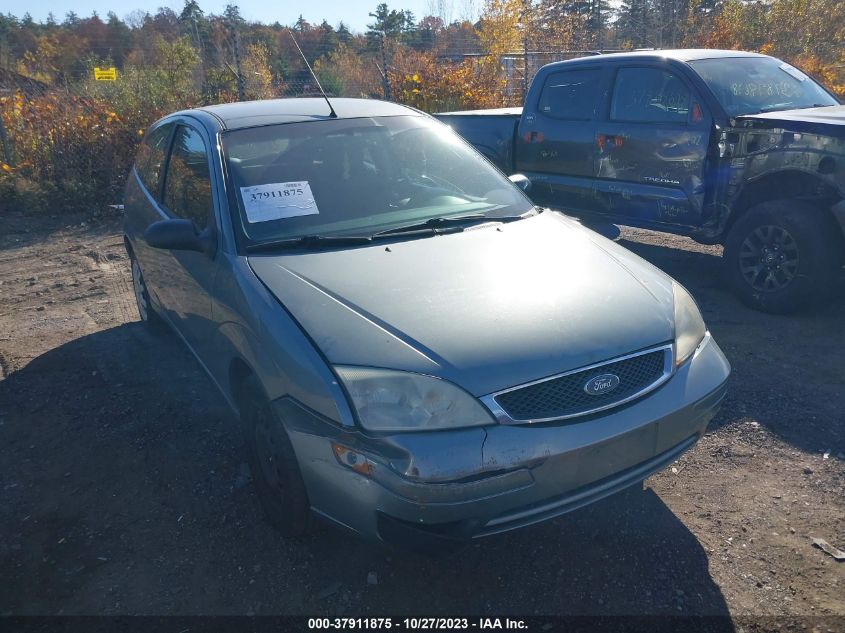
[(651, 148), (554, 144)]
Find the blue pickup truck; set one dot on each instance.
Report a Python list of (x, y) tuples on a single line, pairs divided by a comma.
[(726, 147)]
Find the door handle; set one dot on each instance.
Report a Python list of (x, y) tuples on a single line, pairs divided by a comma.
[(608, 141)]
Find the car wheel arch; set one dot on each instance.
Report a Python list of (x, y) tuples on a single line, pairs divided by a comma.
[(239, 373), (782, 185)]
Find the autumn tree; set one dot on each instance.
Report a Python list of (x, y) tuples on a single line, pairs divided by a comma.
[(390, 22), (256, 71), (419, 79), (501, 26), (553, 27), (635, 24), (345, 72)]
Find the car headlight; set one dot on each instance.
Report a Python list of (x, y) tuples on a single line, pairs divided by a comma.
[(689, 326), (387, 400)]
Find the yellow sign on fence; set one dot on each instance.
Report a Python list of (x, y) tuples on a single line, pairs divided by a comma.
[(105, 74)]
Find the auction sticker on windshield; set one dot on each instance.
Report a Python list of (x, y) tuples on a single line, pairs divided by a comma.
[(278, 200)]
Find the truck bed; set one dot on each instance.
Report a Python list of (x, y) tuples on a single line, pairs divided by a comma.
[(491, 131)]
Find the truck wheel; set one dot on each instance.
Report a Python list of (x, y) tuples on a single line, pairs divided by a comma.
[(149, 317), (781, 256), (275, 470)]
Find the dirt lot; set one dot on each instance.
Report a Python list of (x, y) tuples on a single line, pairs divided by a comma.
[(124, 488)]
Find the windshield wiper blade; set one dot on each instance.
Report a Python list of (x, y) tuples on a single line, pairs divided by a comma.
[(782, 107), (431, 226), (437, 225), (309, 241)]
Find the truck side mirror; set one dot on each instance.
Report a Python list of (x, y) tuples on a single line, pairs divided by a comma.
[(521, 181)]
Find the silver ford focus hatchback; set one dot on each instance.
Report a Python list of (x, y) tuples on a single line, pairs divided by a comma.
[(415, 351)]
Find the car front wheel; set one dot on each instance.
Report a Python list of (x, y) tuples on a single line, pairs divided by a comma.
[(275, 470), (780, 256)]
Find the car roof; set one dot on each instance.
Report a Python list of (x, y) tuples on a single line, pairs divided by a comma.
[(244, 114), (680, 54)]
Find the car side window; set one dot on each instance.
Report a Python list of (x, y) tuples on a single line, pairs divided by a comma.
[(570, 94), (150, 158), (187, 187), (650, 95)]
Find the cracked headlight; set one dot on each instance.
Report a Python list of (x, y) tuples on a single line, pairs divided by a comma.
[(387, 400), (689, 326)]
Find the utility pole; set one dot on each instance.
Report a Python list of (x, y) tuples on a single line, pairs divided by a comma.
[(675, 12), (384, 79), (4, 140), (525, 20), (599, 25), (238, 71), (201, 47)]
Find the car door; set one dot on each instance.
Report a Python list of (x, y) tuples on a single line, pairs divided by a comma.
[(187, 193), (143, 204), (651, 148), (554, 146)]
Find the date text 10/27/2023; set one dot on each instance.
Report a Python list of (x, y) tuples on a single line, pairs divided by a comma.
[(418, 624)]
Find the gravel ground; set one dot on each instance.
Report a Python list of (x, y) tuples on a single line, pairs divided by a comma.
[(124, 487)]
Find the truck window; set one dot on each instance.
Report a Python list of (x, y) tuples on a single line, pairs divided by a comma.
[(649, 95), (570, 94), (748, 85)]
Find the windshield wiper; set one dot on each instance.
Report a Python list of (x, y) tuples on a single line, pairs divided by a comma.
[(781, 107), (442, 224), (429, 227), (770, 108), (309, 241)]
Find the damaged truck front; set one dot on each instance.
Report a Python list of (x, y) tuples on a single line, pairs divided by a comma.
[(726, 147)]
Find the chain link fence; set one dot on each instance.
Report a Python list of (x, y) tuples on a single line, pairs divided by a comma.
[(69, 143)]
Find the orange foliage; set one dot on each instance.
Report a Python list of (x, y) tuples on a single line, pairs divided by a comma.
[(71, 151), (830, 74), (421, 80), (800, 32)]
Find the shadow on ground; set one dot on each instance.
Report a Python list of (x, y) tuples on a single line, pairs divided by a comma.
[(125, 491)]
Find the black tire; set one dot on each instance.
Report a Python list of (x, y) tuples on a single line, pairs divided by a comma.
[(149, 317), (275, 470), (781, 256)]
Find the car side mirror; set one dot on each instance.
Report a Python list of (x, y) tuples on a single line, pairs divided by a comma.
[(521, 181), (178, 235)]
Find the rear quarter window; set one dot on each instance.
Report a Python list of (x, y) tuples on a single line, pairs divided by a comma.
[(570, 94)]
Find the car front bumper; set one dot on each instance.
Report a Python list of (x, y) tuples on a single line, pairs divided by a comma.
[(470, 483)]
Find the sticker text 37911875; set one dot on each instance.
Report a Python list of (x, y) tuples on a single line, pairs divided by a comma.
[(278, 200)]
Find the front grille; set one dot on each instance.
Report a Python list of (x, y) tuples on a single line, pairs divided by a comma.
[(564, 396)]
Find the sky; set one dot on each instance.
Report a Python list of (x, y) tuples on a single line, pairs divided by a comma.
[(354, 13)]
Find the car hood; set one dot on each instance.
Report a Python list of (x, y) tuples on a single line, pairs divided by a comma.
[(487, 308), (829, 120)]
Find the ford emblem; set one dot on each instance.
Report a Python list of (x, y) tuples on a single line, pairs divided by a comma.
[(601, 384)]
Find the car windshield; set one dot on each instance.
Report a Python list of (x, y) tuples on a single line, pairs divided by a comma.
[(358, 177), (751, 85)]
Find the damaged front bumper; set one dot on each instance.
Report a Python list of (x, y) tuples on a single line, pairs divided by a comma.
[(470, 483)]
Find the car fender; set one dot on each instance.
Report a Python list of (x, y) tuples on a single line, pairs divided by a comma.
[(257, 331)]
